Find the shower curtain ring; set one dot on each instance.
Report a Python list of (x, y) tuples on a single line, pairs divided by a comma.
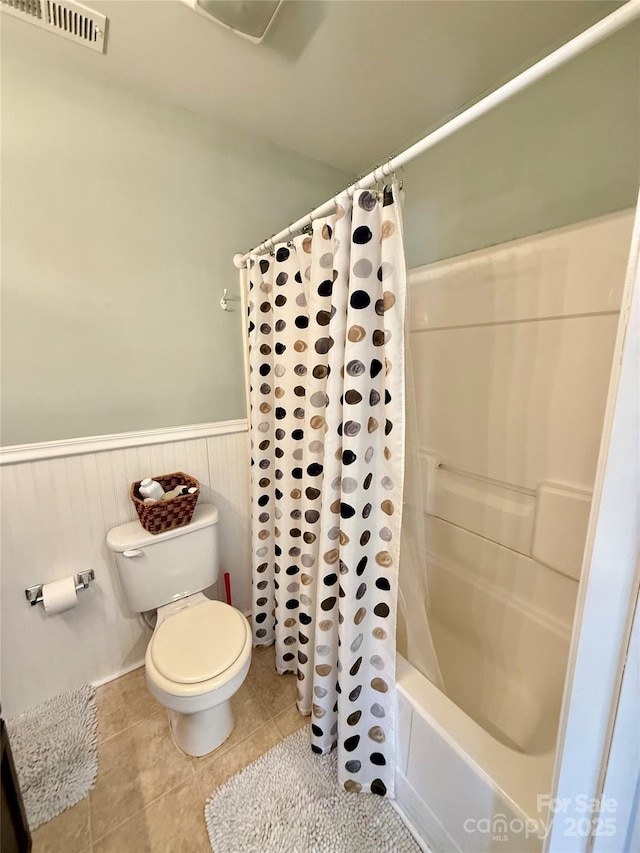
[(355, 186), (309, 225), (376, 178)]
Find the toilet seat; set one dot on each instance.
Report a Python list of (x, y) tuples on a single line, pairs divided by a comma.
[(198, 643), (194, 636)]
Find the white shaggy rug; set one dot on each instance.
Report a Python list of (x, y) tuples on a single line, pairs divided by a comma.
[(55, 751), (289, 801)]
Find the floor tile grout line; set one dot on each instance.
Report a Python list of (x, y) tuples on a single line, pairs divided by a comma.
[(259, 697), (190, 776), (143, 809), (273, 714), (240, 742), (255, 686), (89, 814), (264, 707), (231, 748), (194, 774), (288, 708), (199, 781), (126, 729)]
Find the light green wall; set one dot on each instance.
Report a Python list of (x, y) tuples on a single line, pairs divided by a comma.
[(565, 150), (120, 218)]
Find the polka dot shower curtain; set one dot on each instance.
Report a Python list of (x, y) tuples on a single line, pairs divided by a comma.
[(326, 343)]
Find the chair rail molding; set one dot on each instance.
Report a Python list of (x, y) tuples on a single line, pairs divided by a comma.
[(17, 453)]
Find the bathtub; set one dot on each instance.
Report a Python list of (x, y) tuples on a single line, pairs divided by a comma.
[(458, 787), (474, 766)]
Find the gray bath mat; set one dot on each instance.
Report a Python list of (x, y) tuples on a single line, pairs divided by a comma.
[(289, 801), (55, 751)]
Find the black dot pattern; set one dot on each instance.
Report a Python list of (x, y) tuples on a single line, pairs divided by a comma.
[(326, 343)]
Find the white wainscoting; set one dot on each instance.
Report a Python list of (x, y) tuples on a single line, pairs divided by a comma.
[(56, 509)]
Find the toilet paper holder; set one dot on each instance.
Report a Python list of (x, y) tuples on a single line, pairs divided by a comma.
[(83, 579)]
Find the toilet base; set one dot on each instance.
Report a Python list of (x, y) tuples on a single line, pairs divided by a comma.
[(200, 733)]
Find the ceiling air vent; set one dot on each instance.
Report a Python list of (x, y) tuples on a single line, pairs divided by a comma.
[(63, 17)]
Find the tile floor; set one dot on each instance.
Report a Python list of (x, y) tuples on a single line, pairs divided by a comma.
[(149, 797)]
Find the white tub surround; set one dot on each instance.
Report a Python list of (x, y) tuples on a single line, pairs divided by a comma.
[(502, 656), (512, 350)]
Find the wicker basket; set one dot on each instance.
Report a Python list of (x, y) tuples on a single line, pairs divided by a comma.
[(166, 515)]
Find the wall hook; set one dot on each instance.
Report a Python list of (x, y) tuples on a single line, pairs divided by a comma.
[(223, 300)]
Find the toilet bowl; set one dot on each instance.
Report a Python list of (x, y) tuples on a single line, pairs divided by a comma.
[(200, 650), (198, 657)]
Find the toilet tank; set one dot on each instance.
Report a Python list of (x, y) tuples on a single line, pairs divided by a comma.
[(157, 569)]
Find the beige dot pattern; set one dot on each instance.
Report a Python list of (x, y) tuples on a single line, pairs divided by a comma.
[(326, 326)]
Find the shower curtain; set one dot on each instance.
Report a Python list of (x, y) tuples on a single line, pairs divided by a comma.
[(414, 637), (326, 359)]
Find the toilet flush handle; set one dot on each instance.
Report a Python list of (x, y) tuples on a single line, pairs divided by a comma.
[(135, 552)]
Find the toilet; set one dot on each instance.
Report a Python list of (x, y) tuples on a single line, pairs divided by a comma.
[(200, 650)]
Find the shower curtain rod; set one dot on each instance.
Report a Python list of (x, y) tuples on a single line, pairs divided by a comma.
[(597, 33)]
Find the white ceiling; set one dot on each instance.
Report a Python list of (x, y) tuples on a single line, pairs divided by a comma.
[(346, 82)]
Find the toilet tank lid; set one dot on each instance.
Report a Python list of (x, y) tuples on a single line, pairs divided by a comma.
[(133, 534)]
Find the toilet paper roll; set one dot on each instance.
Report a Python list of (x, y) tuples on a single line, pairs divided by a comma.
[(60, 595)]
